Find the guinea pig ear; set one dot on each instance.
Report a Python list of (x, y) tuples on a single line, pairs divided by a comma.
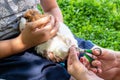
[(27, 13)]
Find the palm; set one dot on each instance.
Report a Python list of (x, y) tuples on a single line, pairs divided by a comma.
[(108, 60), (107, 64)]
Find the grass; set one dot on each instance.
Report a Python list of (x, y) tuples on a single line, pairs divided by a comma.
[(95, 20)]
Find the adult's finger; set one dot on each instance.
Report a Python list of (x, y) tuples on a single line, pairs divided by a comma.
[(96, 70), (84, 61), (96, 63), (97, 51), (88, 65), (93, 70), (72, 55)]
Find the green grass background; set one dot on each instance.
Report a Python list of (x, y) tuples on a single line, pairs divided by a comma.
[(95, 20)]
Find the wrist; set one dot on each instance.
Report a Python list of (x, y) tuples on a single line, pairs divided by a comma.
[(21, 46)]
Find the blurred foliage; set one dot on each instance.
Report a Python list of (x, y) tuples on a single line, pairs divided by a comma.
[(95, 20)]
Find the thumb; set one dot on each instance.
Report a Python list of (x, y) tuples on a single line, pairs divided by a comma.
[(97, 51), (72, 56)]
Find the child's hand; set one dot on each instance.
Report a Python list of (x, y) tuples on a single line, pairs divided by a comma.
[(32, 35)]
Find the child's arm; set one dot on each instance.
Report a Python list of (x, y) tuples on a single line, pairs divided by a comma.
[(51, 7), (28, 38)]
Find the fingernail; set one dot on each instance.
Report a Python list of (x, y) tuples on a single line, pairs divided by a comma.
[(81, 60)]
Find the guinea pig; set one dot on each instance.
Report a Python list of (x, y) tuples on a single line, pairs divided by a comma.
[(56, 48)]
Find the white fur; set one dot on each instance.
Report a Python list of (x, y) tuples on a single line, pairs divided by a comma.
[(22, 23), (58, 45)]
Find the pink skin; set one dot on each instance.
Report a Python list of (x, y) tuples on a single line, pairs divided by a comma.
[(107, 63), (77, 69)]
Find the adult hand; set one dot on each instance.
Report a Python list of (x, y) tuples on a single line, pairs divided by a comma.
[(108, 59), (32, 35), (77, 69), (74, 66), (107, 62)]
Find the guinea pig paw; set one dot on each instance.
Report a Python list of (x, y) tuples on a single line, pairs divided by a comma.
[(54, 58), (57, 58)]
